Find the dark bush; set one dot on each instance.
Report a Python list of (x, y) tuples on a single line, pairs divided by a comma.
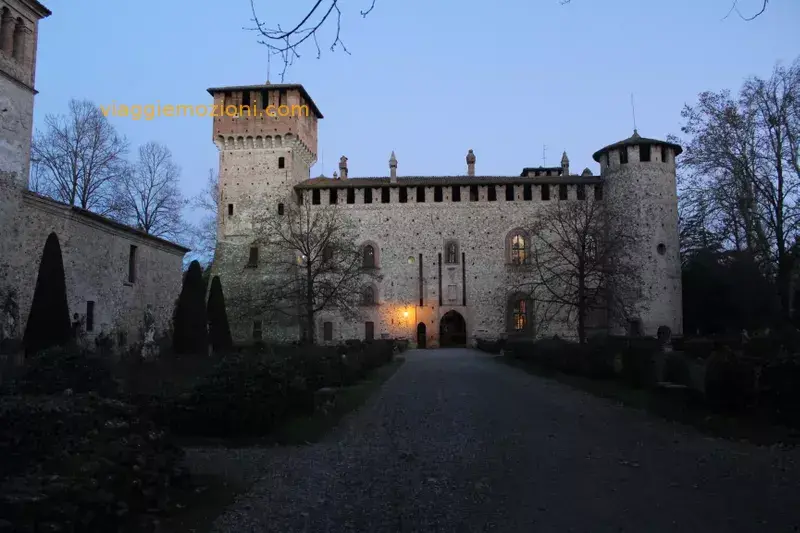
[(780, 390), (730, 381), (638, 366), (48, 321), (219, 331), (190, 321), (698, 348), (763, 347), (676, 370), (600, 359), (82, 463), (55, 370), (519, 348)]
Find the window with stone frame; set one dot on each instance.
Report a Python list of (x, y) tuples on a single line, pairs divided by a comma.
[(257, 333), (451, 253), (327, 254), (517, 248), (519, 315), (368, 295), (327, 331), (368, 253)]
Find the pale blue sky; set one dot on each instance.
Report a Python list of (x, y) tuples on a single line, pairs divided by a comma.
[(428, 79)]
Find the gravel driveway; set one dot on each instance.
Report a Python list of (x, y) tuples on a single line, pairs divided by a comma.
[(457, 442)]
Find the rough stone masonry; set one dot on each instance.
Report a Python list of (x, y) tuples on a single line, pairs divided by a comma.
[(444, 244)]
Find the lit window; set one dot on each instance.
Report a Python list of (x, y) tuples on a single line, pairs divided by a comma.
[(519, 254)]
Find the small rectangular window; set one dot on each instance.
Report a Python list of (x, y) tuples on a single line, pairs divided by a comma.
[(264, 99), (367, 195), (369, 331), (456, 193), (281, 97), (473, 193), (132, 264), (437, 193), (623, 155), (562, 192), (230, 210), (327, 331), (333, 197), (403, 195), (509, 193), (281, 162), (246, 98), (527, 193), (386, 195), (545, 192), (581, 192), (315, 197), (644, 152), (253, 260), (256, 330), (491, 193), (598, 192), (420, 194), (664, 154), (280, 209), (90, 316), (300, 197), (351, 195)]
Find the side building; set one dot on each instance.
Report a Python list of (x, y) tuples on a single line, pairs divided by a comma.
[(451, 250), (120, 281)]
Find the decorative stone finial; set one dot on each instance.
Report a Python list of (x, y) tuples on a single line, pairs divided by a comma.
[(470, 163), (564, 159), (335, 175), (343, 167), (635, 134), (393, 168), (586, 172)]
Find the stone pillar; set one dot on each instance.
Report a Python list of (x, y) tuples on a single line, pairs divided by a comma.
[(470, 163), (393, 168), (343, 167)]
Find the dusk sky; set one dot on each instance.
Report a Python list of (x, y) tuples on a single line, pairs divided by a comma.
[(429, 80)]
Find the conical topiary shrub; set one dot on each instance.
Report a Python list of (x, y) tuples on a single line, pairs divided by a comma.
[(48, 322), (191, 325), (219, 331)]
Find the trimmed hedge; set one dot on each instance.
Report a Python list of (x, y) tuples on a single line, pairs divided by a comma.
[(82, 463), (730, 382), (57, 369)]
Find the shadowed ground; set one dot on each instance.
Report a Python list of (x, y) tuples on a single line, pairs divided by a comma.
[(456, 442)]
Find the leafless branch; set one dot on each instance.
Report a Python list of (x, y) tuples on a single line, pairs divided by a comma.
[(734, 7), (286, 43)]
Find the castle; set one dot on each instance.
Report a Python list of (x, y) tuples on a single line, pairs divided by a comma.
[(120, 281), (446, 246)]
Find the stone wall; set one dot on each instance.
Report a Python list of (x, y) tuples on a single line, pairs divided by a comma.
[(96, 261)]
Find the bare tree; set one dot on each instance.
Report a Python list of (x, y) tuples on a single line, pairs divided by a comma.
[(286, 40), (741, 167), (149, 197), (205, 232), (312, 263), (79, 157), (760, 7), (580, 264)]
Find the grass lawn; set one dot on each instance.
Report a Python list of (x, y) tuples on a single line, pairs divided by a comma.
[(686, 409), (200, 505)]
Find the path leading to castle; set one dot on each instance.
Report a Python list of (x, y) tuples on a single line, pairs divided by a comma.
[(457, 442)]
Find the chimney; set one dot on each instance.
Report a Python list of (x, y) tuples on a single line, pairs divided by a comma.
[(393, 168), (343, 167), (564, 165), (470, 163)]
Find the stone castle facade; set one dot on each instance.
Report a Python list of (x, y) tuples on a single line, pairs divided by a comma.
[(445, 246), (120, 281)]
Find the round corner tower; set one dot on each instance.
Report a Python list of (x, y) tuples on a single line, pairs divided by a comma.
[(639, 174)]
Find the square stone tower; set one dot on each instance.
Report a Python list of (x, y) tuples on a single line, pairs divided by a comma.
[(267, 141)]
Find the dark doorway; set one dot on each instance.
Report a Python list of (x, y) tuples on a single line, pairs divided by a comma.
[(421, 335), (452, 330)]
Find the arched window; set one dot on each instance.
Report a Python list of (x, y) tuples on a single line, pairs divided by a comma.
[(519, 315), (369, 256), (451, 253), (19, 40), (519, 250), (368, 296)]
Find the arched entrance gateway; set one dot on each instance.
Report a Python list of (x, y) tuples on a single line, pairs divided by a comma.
[(421, 335), (452, 330)]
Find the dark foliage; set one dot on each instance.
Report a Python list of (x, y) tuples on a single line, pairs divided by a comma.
[(219, 331), (48, 322), (190, 322), (82, 463), (638, 366), (730, 381), (780, 390), (676, 370), (55, 370)]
